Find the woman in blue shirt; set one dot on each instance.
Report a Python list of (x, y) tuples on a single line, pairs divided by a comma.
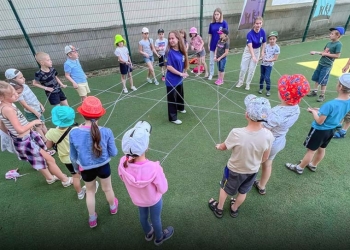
[(217, 23), (256, 41), (177, 65), (91, 149)]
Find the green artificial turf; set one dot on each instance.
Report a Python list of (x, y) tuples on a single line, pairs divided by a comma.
[(307, 211)]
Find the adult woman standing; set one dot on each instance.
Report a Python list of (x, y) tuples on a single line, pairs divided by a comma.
[(256, 41), (177, 66), (217, 23)]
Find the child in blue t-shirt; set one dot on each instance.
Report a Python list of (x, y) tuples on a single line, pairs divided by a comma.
[(326, 120), (218, 23), (177, 64), (256, 40), (75, 73)]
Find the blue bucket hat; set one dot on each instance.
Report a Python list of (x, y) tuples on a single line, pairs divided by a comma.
[(63, 116)]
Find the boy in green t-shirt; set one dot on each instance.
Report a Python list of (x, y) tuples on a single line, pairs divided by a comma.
[(330, 52)]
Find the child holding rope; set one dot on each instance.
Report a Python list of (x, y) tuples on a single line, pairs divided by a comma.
[(28, 144), (46, 79), (125, 64), (330, 52), (145, 181)]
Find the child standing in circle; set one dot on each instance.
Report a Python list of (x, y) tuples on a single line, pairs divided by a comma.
[(145, 181), (272, 50), (161, 45), (184, 38), (91, 149), (146, 48), (33, 109), (220, 54), (28, 144), (177, 66), (125, 64), (291, 89), (256, 41), (63, 118), (197, 44), (217, 23)]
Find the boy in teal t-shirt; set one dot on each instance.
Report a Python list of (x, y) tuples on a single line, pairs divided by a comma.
[(330, 52)]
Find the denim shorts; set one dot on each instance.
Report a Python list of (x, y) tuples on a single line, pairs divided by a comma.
[(321, 74), (201, 53), (222, 64), (149, 59)]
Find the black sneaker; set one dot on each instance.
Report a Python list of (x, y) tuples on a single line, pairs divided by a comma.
[(312, 93), (320, 98), (149, 236), (167, 233)]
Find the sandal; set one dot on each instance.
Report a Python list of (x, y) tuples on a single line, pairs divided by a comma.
[(260, 190), (213, 205), (233, 214), (51, 152)]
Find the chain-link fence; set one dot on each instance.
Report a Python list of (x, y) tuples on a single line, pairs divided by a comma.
[(31, 26)]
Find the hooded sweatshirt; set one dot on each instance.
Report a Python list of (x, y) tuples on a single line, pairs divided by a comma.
[(145, 181)]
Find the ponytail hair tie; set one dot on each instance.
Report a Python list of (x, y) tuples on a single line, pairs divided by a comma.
[(93, 120)]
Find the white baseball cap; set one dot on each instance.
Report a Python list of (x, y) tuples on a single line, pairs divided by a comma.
[(136, 140), (344, 79), (11, 73), (70, 48), (145, 30)]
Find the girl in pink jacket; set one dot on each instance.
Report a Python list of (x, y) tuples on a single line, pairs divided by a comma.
[(145, 181)]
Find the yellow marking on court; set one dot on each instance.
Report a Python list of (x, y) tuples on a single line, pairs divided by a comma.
[(336, 69)]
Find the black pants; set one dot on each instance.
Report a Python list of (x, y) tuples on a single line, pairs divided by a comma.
[(175, 99)]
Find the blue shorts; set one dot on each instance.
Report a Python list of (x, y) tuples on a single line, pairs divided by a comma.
[(321, 74), (56, 98), (149, 59), (124, 68), (222, 64)]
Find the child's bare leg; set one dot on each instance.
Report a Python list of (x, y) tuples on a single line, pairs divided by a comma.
[(76, 182), (307, 158), (265, 173), (320, 152), (151, 70), (90, 196), (82, 98), (123, 79), (52, 166), (106, 185), (239, 200), (222, 198), (346, 125), (316, 86), (64, 103), (131, 80), (323, 89), (46, 173), (199, 63), (205, 66)]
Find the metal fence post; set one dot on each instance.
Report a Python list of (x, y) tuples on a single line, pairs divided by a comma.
[(22, 28), (346, 25), (201, 18), (125, 29), (309, 21), (263, 11)]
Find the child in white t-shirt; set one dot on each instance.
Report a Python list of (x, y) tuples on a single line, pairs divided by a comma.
[(125, 64), (161, 45), (291, 89)]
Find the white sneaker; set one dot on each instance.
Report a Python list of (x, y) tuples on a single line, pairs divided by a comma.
[(210, 77), (133, 88), (183, 111), (149, 80), (67, 183), (53, 180), (156, 82), (177, 122), (125, 91), (239, 85), (82, 193), (247, 87)]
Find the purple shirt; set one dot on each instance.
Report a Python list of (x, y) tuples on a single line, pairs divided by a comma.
[(177, 61), (213, 31), (256, 39)]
